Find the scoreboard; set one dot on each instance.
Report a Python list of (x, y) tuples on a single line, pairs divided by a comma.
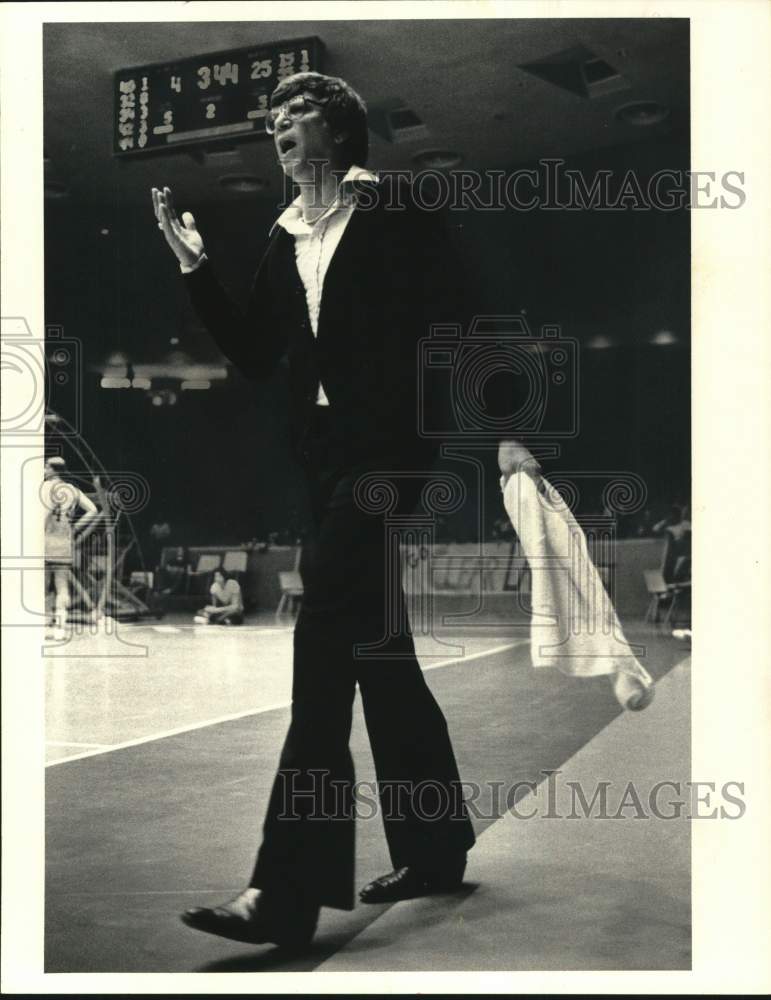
[(223, 95)]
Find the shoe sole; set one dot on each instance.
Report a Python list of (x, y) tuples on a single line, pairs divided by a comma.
[(235, 933), (429, 890)]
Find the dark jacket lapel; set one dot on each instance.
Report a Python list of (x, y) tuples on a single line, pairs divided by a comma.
[(355, 244)]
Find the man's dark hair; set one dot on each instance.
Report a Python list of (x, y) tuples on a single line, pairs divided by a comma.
[(343, 109)]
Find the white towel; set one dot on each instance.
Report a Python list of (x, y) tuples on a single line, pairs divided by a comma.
[(574, 626)]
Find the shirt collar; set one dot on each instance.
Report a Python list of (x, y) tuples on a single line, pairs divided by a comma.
[(291, 218)]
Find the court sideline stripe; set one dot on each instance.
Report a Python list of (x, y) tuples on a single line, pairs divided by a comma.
[(531, 793), (109, 748)]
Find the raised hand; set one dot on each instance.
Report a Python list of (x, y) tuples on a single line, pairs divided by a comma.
[(183, 237)]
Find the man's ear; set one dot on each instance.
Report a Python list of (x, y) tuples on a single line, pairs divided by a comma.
[(340, 137)]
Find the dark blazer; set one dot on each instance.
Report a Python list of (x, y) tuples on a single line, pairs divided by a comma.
[(392, 275)]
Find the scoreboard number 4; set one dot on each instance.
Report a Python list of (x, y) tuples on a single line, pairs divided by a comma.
[(227, 73), (206, 97)]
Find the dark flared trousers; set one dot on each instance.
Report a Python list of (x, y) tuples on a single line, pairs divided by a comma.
[(349, 601)]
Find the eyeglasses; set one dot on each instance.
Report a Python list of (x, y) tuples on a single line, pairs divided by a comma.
[(293, 109)]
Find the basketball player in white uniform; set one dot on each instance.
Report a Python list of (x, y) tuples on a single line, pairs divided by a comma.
[(62, 501)]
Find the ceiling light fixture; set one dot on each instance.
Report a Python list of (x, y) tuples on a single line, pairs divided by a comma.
[(437, 159), (242, 183), (393, 120), (642, 113), (579, 71), (600, 342)]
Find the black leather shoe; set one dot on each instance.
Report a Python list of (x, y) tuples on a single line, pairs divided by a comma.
[(410, 883), (253, 919)]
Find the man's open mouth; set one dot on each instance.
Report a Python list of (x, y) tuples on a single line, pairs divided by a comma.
[(285, 145)]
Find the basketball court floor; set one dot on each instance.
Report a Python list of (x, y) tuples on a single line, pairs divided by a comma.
[(162, 743)]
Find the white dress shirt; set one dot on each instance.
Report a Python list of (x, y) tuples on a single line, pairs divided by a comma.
[(315, 244)]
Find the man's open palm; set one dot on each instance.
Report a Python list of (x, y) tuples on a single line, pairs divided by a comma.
[(182, 236)]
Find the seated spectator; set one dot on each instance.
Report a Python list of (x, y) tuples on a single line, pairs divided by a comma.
[(677, 522), (227, 607), (676, 563)]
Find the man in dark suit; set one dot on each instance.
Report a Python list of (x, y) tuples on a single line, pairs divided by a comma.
[(353, 276)]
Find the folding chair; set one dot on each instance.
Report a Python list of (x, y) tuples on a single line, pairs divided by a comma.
[(234, 561), (659, 589), (199, 580), (207, 563), (290, 582)]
